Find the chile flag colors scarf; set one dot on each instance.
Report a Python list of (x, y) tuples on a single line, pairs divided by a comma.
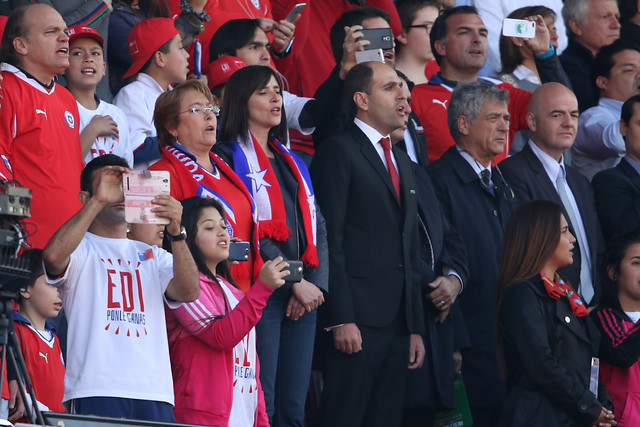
[(253, 167)]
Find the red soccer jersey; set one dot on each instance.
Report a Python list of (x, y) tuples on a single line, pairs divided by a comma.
[(40, 138), (430, 103), (43, 358)]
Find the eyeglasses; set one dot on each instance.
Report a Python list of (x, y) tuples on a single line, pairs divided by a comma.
[(202, 110), (427, 27)]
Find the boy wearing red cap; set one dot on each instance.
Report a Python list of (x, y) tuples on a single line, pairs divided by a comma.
[(103, 127), (160, 60)]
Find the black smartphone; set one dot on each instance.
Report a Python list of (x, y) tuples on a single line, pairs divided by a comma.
[(295, 271), (380, 38), (239, 251)]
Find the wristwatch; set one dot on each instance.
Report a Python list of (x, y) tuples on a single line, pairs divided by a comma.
[(180, 236)]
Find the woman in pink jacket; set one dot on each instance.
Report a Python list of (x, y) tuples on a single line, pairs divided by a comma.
[(618, 318), (212, 340)]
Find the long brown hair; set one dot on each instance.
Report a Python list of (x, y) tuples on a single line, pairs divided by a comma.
[(530, 239)]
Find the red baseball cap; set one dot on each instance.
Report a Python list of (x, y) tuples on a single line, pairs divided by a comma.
[(3, 23), (146, 38), (80, 31), (222, 69)]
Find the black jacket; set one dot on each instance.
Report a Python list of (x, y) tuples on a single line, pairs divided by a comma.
[(548, 353)]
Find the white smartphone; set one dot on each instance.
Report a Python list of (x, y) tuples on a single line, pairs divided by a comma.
[(295, 12), (519, 28), (373, 55)]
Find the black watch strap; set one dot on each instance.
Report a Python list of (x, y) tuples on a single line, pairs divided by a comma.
[(180, 236)]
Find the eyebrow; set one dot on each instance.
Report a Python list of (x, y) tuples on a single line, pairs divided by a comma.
[(256, 43)]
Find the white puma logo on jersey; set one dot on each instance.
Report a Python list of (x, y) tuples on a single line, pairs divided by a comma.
[(39, 111), (443, 103), (44, 355)]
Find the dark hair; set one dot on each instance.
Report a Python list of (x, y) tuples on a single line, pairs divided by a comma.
[(604, 61), (191, 210), (628, 108), (33, 257), (407, 10), (628, 9), (530, 239), (232, 35), (165, 48), (510, 54), (86, 177), (16, 27), (167, 111), (235, 103), (614, 254), (348, 19), (151, 8), (440, 29), (359, 79)]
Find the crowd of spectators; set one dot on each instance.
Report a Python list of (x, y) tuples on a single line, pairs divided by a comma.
[(464, 211)]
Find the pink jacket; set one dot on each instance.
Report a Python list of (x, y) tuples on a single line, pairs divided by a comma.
[(202, 335), (619, 365)]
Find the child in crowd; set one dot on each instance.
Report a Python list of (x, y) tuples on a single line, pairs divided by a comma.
[(618, 318), (103, 127), (39, 345), (212, 341), (160, 60)]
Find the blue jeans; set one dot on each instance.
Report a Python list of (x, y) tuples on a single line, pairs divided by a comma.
[(285, 349)]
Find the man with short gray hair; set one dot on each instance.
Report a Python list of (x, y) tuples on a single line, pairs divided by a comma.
[(478, 201), (591, 24)]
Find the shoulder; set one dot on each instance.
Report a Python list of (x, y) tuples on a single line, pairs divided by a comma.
[(609, 175), (524, 292)]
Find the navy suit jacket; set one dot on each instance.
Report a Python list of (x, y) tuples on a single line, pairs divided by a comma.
[(374, 270), (530, 181), (480, 218), (617, 193)]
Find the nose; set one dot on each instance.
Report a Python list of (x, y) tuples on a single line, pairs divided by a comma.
[(64, 36), (572, 239), (615, 23)]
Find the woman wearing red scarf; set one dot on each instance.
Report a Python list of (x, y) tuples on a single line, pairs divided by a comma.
[(185, 119), (547, 338), (253, 128)]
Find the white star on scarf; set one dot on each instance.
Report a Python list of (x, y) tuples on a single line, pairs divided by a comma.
[(258, 179)]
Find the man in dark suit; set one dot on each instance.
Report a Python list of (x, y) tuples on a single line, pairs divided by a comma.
[(539, 172), (617, 190), (367, 193), (478, 202)]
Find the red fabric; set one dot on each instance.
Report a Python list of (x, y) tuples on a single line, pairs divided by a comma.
[(431, 69), (39, 136), (558, 288), (221, 11), (229, 184), (429, 102), (202, 363), (44, 365), (386, 147)]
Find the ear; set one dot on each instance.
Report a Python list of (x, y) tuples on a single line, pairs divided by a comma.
[(159, 59), (441, 48), (362, 100), (25, 294), (84, 197), (623, 128), (531, 121), (601, 82), (611, 272), (517, 41), (21, 46), (402, 38), (575, 27), (464, 125)]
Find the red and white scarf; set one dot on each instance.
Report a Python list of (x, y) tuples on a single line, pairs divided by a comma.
[(254, 169)]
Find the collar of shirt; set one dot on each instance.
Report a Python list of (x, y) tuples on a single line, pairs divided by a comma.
[(373, 135), (550, 165), (475, 165), (634, 163), (612, 105), (149, 81), (523, 73)]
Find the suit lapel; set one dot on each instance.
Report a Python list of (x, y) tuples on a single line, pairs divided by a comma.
[(540, 175), (371, 155), (566, 318)]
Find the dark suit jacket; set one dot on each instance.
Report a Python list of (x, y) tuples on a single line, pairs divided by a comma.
[(617, 194), (576, 61), (373, 240), (548, 353), (432, 384), (530, 182), (419, 140), (480, 218)]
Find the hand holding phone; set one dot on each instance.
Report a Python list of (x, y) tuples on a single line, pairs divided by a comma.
[(519, 28)]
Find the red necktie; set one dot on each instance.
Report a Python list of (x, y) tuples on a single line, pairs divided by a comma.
[(395, 179)]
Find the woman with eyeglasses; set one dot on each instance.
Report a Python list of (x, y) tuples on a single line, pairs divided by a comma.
[(547, 342), (185, 119), (253, 130)]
